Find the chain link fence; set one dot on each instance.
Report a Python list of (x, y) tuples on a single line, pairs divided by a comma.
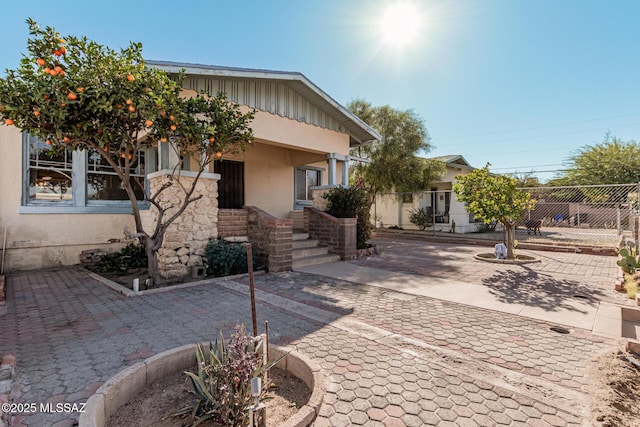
[(593, 215)]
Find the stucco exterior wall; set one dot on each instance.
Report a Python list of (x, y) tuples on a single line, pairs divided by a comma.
[(46, 240)]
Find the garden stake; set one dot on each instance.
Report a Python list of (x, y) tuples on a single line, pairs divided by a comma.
[(266, 346), (252, 290)]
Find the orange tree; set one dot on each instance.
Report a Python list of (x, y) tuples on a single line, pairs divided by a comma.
[(77, 94), (494, 198)]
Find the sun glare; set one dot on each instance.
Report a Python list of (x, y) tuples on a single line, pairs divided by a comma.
[(400, 23)]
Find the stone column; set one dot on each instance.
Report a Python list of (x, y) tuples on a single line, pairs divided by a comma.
[(187, 236)]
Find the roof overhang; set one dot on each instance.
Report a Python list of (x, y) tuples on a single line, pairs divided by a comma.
[(359, 132)]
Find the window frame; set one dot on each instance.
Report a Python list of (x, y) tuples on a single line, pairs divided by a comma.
[(301, 203), (79, 203)]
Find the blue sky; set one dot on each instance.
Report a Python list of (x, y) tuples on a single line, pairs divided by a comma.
[(518, 83)]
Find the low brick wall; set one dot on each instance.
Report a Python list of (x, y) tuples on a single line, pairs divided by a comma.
[(3, 295), (232, 222), (339, 234), (271, 239)]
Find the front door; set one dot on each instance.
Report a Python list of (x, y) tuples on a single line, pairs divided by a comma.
[(231, 184)]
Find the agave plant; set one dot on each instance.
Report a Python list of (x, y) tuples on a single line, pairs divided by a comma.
[(223, 382)]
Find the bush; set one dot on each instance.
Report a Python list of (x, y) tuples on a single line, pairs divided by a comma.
[(421, 218), (226, 258), (352, 202), (486, 228), (131, 256)]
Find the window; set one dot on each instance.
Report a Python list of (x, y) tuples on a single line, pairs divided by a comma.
[(80, 181), (305, 180), (104, 184), (50, 174)]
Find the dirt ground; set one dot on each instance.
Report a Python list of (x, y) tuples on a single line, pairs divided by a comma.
[(173, 393), (616, 391)]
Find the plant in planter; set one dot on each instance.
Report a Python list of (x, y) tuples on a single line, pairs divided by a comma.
[(223, 381)]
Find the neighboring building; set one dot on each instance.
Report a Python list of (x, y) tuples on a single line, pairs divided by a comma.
[(56, 206), (394, 209)]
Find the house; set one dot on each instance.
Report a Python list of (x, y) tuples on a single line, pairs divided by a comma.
[(54, 206), (395, 209)]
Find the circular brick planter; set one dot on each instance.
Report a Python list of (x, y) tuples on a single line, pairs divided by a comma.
[(522, 259), (127, 384)]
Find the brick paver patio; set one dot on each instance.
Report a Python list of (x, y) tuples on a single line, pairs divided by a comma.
[(390, 358)]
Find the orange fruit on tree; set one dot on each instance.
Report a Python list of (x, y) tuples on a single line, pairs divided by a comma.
[(36, 113), (62, 41), (130, 78), (172, 118), (163, 113), (80, 89), (57, 52), (218, 154), (118, 106), (128, 102), (211, 140), (63, 50), (149, 123), (132, 108), (99, 130), (163, 139), (72, 96), (63, 104), (174, 127), (66, 139), (45, 96), (53, 72), (48, 142), (47, 70), (8, 122), (62, 72), (40, 62)]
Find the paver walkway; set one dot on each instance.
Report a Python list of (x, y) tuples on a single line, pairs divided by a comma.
[(390, 358)]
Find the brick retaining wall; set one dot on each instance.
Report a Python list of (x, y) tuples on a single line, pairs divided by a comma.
[(232, 222), (339, 234), (271, 239)]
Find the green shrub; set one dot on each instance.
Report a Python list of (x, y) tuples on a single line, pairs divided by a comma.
[(131, 256), (352, 202), (226, 258), (422, 217)]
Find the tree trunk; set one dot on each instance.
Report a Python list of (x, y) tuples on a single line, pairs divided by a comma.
[(509, 228), (152, 261)]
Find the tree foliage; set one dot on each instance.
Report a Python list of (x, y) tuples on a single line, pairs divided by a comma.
[(75, 93), (493, 198), (394, 164), (613, 161)]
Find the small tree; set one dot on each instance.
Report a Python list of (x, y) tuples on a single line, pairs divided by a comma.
[(494, 198), (77, 94)]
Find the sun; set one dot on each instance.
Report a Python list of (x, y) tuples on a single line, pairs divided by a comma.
[(400, 23)]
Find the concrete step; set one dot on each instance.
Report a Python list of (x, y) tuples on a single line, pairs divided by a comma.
[(301, 244), (236, 239), (300, 236), (314, 260), (309, 252)]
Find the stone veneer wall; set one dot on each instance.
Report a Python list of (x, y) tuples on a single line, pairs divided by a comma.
[(186, 238), (271, 239), (339, 234), (232, 222)]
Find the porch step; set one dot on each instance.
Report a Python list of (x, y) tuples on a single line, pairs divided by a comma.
[(314, 260), (309, 251), (308, 243), (300, 236)]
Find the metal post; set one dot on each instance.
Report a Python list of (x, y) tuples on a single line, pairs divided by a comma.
[(252, 290)]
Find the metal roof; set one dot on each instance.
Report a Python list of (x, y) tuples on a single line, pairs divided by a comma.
[(360, 132)]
